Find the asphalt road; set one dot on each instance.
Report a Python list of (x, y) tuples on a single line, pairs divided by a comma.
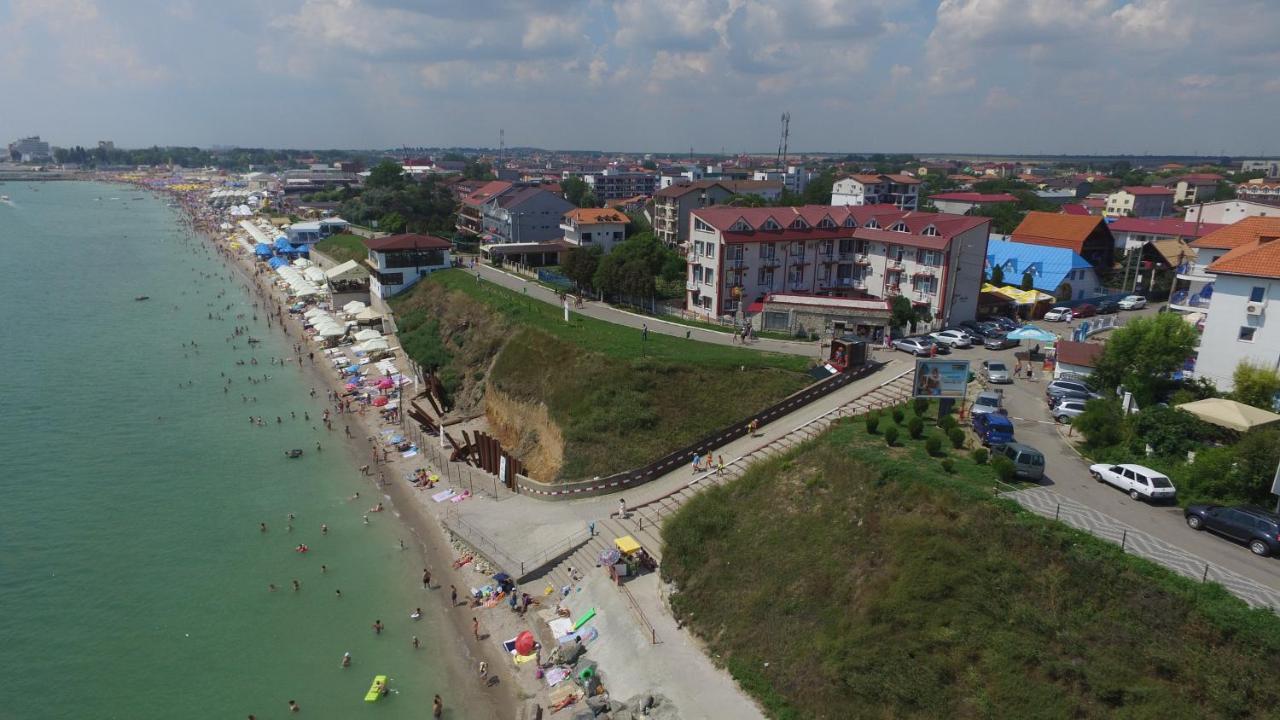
[(1067, 474)]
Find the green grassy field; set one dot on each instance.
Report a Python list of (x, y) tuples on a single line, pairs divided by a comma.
[(343, 248), (619, 401), (849, 579)]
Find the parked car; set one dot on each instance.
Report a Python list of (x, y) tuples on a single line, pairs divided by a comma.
[(951, 338), (1108, 307), (1028, 462), (977, 326), (1142, 483), (974, 336), (993, 428), (986, 402), (1004, 322), (1083, 311), (1058, 388), (1058, 314), (996, 372), (1258, 528), (1067, 410), (1000, 341), (1132, 302), (918, 346)]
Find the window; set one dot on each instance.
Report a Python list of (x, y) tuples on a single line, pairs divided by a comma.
[(930, 231), (872, 224), (1257, 294), (1246, 333), (741, 226), (770, 224), (824, 273), (698, 224), (734, 252), (899, 227), (799, 224), (697, 273), (765, 276), (708, 277), (768, 251), (796, 274), (826, 222), (849, 222), (827, 247)]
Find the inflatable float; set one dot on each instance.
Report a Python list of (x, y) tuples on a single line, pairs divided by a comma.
[(376, 689)]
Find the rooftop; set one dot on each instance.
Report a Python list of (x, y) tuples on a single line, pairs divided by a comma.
[(1172, 227), (1239, 233), (589, 216), (1084, 354), (1048, 265), (407, 241), (823, 222), (1145, 190), (1256, 252), (1056, 229), (974, 197)]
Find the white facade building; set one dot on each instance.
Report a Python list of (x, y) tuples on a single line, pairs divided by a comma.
[(1225, 212), (901, 191), (594, 227), (1141, 202), (399, 261)]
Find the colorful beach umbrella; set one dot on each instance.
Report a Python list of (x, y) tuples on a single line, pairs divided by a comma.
[(381, 400)]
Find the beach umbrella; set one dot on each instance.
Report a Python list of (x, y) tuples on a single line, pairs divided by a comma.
[(380, 401), (353, 307), (524, 643), (1033, 333), (386, 383), (367, 334), (368, 315), (375, 345)]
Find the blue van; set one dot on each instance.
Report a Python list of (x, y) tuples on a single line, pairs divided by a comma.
[(993, 428)]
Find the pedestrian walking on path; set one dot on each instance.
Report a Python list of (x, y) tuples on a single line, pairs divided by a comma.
[(622, 509)]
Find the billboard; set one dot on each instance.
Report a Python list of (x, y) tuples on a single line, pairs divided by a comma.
[(937, 378)]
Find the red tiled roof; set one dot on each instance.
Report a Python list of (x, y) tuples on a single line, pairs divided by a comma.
[(947, 225), (487, 191), (1145, 190), (407, 242), (1172, 227), (1255, 248), (682, 189), (1084, 354), (1075, 209), (974, 197), (1198, 178), (1239, 233), (1056, 229), (588, 216)]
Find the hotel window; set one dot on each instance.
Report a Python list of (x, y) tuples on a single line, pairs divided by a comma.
[(708, 277), (734, 252), (765, 276), (1246, 333), (768, 251), (796, 274), (824, 273), (1257, 294)]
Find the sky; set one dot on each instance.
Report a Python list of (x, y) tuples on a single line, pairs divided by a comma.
[(981, 76)]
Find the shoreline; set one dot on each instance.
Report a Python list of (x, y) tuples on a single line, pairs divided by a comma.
[(464, 695)]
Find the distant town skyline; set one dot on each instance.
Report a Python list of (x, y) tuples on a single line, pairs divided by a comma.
[(1096, 77)]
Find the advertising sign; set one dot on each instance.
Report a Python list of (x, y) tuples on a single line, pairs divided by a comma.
[(941, 378)]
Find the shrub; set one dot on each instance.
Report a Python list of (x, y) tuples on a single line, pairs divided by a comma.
[(956, 436), (915, 428), (1101, 423), (920, 406), (898, 415), (1003, 467), (891, 435), (979, 455), (948, 465), (873, 422), (947, 423), (933, 445)]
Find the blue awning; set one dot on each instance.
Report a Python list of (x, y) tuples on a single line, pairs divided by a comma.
[(276, 262), (262, 250)]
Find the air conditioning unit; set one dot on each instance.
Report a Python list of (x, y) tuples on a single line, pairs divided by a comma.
[(1254, 308)]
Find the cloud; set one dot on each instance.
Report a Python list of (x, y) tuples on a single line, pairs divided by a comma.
[(88, 48)]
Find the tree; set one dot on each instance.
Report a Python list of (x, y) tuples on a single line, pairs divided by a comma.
[(386, 174), (575, 190), (1255, 385), (818, 191), (1168, 431), (478, 170), (997, 275), (1224, 191), (1101, 423), (580, 265), (1005, 217), (904, 314), (1144, 354), (748, 201), (1028, 281)]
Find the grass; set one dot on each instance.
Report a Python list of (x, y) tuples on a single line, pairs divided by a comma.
[(343, 247), (727, 330), (618, 401), (851, 580)]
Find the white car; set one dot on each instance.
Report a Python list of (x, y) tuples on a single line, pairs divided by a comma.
[(996, 372), (1132, 302), (952, 338), (1142, 483), (1058, 314)]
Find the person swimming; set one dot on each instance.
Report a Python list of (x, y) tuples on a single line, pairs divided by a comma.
[(416, 614)]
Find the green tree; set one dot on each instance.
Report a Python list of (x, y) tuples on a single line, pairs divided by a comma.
[(1255, 385), (1224, 191), (818, 191), (750, 201), (1005, 217), (1168, 431), (903, 313), (478, 170), (575, 190), (386, 174), (580, 265), (392, 222), (1101, 423), (1028, 281), (997, 275), (1143, 355)]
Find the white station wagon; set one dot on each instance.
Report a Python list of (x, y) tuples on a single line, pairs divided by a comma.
[(1142, 483)]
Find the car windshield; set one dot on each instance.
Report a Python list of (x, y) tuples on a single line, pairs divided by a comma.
[(996, 367), (987, 401), (1161, 482)]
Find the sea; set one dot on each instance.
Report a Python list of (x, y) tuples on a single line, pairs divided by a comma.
[(134, 576)]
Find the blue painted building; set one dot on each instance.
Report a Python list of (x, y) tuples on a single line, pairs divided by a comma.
[(1060, 272)]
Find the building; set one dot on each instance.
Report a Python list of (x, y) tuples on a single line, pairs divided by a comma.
[(1270, 167), (1086, 235), (1140, 201), (30, 150), (1077, 358), (1134, 233), (504, 212), (1196, 187), (869, 252), (1226, 212), (900, 191), (1195, 283), (792, 314), (312, 232), (594, 227), (795, 178), (1057, 271), (961, 203), (1259, 192), (1247, 281), (107, 145), (398, 261), (672, 205), (614, 184)]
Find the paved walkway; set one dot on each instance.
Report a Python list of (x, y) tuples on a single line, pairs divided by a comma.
[(602, 311)]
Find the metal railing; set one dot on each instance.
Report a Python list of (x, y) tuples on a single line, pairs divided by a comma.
[(518, 569), (644, 619)]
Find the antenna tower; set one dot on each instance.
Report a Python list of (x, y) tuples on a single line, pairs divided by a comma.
[(782, 141), (502, 144)]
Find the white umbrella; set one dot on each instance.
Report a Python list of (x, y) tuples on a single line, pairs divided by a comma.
[(375, 345), (365, 335), (368, 315), (330, 331), (353, 307)]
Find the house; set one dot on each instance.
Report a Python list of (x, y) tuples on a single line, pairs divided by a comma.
[(615, 184), (312, 232), (867, 252), (505, 212), (1195, 283), (1259, 192), (794, 314), (1078, 358), (1246, 282), (594, 227), (471, 210), (672, 205), (1057, 271), (1270, 167), (767, 190), (1134, 233), (1140, 201), (1195, 187), (399, 261), (900, 191), (1225, 212), (961, 203), (1086, 235), (795, 178)]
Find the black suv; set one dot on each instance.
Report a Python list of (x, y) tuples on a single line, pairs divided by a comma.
[(1259, 528)]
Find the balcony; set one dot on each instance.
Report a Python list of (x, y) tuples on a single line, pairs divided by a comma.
[(772, 261), (692, 285), (862, 259), (1195, 272)]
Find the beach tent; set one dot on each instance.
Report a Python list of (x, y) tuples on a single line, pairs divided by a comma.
[(301, 249), (366, 334), (262, 250), (375, 345), (368, 315), (313, 312), (330, 331), (1229, 413), (353, 307), (276, 262), (282, 244), (314, 274), (301, 263)]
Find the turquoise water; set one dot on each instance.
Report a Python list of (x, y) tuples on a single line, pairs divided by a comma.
[(133, 575)]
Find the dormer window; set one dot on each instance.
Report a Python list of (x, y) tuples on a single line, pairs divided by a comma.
[(872, 224), (899, 227), (826, 222), (850, 223), (799, 224), (699, 224), (770, 224), (741, 226), (931, 231)]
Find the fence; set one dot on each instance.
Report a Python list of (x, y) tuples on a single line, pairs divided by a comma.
[(517, 568), (552, 277)]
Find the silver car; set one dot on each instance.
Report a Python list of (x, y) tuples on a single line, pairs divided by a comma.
[(996, 372), (921, 347), (986, 402), (1068, 410), (1132, 302)]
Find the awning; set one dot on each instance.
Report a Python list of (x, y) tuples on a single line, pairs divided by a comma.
[(349, 270), (1229, 413), (1033, 333)]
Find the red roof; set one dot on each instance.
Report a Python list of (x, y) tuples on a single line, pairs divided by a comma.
[(1198, 178), (407, 241), (1075, 209), (1255, 248), (1145, 190), (1172, 227), (1084, 354), (974, 197), (487, 191), (947, 225), (1240, 233), (1056, 229)]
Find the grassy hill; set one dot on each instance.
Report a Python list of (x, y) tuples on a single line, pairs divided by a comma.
[(849, 579), (343, 247), (617, 401)]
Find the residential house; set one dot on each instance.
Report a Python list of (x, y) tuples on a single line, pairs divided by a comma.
[(1195, 187), (1270, 167), (1225, 212), (471, 209), (594, 227), (900, 191), (768, 190), (1259, 192), (1140, 201), (1057, 271), (795, 178), (1086, 235), (1247, 281), (869, 252), (1134, 233), (502, 212), (1195, 283), (615, 184), (672, 205), (793, 314), (961, 203), (1077, 358), (399, 261)]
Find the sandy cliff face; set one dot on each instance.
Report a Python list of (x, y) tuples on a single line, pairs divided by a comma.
[(527, 431)]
